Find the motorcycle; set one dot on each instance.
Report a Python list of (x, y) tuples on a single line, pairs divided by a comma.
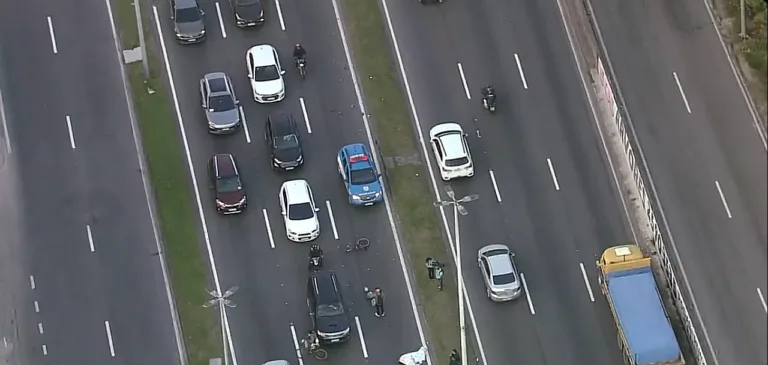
[(489, 102), (301, 65), (315, 263)]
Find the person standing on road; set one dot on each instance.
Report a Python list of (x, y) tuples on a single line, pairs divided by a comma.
[(378, 302), (439, 276)]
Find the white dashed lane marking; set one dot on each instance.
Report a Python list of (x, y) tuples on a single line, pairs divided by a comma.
[(53, 35), (464, 81)]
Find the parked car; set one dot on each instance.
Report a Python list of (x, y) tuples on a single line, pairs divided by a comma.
[(326, 307)]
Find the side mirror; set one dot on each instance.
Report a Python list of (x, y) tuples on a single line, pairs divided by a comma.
[(466, 135), (512, 254), (282, 72), (317, 209), (201, 12), (237, 102)]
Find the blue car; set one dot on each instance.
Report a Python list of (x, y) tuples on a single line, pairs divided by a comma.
[(360, 175)]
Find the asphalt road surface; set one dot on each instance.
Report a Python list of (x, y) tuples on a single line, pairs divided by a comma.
[(539, 170), (86, 280), (706, 158), (271, 301)]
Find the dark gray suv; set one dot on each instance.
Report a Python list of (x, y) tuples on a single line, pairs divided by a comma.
[(188, 22), (219, 103)]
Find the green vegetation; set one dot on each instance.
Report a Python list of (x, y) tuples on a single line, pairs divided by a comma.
[(408, 184), (175, 210), (753, 49)]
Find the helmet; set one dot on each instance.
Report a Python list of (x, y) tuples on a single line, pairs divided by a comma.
[(298, 45), (314, 247)]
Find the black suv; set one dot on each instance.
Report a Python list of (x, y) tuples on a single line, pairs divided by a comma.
[(225, 181), (247, 13), (188, 23), (326, 307), (283, 141)]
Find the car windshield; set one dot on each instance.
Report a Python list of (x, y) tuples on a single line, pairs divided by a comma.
[(362, 177), (457, 162), (289, 141), (330, 310), (221, 103), (228, 184), (266, 73), (188, 15), (504, 279), (300, 212)]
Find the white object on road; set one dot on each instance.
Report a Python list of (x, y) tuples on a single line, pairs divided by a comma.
[(417, 357)]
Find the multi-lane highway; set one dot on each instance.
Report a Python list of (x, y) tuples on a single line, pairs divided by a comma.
[(85, 282), (706, 158), (250, 249), (539, 170)]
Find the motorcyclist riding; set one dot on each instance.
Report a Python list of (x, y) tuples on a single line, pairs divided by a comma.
[(299, 54), (489, 97), (315, 256)]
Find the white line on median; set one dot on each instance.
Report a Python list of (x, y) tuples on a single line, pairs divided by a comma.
[(109, 338), (6, 135), (520, 70), (90, 237), (45, 350), (221, 21), (554, 176), (464, 81), (296, 345), (362, 339), (722, 198), (269, 228), (762, 299), (71, 133), (32, 282), (280, 15), (53, 36), (333, 222), (586, 282), (495, 187), (527, 293), (682, 93), (306, 115), (40, 327), (245, 125), (37, 307)]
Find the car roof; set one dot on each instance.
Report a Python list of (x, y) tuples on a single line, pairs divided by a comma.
[(184, 4), (225, 165), (263, 55), (451, 137), (282, 123), (217, 82), (326, 286), (296, 191), (277, 362), (500, 263)]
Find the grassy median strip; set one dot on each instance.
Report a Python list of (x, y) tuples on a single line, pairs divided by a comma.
[(408, 181), (170, 181)]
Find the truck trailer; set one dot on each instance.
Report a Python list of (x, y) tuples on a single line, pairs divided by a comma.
[(645, 333)]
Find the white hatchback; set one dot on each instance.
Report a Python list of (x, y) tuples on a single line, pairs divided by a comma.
[(299, 211), (449, 143), (265, 74)]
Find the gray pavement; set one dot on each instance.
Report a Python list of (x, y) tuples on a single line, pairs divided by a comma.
[(706, 158), (68, 289), (272, 281), (553, 226)]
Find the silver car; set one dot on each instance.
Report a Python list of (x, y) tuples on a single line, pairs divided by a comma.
[(219, 103), (497, 265)]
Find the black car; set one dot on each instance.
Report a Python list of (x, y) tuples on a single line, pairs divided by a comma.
[(326, 307), (282, 138), (224, 179), (247, 13), (188, 23)]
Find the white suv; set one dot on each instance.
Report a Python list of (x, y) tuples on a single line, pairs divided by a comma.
[(299, 211), (449, 143), (265, 74)]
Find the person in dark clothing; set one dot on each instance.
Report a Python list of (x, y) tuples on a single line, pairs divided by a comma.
[(315, 255), (455, 357), (431, 265), (299, 53), (378, 302)]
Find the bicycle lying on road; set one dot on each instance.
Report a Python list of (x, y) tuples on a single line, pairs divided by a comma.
[(362, 244), (313, 348)]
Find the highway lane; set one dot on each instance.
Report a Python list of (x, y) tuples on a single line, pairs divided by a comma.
[(554, 218), (94, 291), (707, 161), (272, 281)]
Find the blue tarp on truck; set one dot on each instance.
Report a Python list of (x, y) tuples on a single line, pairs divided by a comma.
[(641, 316)]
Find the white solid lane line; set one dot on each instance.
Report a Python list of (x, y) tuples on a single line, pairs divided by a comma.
[(5, 125), (682, 93), (53, 36), (280, 15), (90, 237), (37, 307), (520, 70), (495, 187), (306, 116), (45, 350), (269, 228), (586, 282), (40, 327), (71, 133), (245, 125), (464, 81), (109, 338), (333, 221), (527, 293), (362, 339), (554, 176), (762, 300), (32, 282), (722, 198), (221, 21), (296, 345)]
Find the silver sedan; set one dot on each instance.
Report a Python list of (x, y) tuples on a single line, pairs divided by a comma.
[(497, 266), (219, 103)]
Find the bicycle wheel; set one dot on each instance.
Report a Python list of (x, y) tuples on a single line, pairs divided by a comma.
[(321, 354)]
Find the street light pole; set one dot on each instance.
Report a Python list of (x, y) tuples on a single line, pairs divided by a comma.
[(222, 300), (458, 209)]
